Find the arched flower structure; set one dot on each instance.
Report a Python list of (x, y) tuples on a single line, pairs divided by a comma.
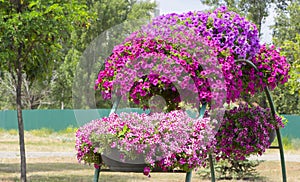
[(190, 58), (229, 35)]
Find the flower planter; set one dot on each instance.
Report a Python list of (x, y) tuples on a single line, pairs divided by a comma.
[(129, 166), (272, 136), (116, 165)]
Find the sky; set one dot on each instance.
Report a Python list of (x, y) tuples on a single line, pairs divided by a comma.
[(180, 6)]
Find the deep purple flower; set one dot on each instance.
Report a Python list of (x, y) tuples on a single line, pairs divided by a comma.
[(147, 171)]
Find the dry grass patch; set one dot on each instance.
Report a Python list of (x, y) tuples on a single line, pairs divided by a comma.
[(62, 169)]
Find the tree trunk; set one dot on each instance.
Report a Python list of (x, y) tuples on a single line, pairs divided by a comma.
[(20, 118), (18, 67)]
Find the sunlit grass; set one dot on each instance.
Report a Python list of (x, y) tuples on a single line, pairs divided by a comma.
[(290, 144), (42, 132)]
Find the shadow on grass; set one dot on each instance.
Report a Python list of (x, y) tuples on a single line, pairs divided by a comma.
[(78, 178), (43, 167), (71, 172)]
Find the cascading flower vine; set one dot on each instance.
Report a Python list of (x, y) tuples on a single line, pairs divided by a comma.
[(273, 70)]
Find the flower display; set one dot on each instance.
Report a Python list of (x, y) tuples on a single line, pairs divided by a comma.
[(168, 141), (273, 70), (180, 42), (143, 72), (187, 59), (227, 28), (244, 131)]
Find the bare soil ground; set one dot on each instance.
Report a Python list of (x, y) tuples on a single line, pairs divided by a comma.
[(66, 168)]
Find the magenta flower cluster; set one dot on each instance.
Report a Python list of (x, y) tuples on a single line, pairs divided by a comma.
[(174, 140), (188, 50), (145, 67), (168, 141), (244, 131), (273, 70)]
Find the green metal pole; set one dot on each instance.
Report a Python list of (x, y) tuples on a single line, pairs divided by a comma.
[(273, 110), (212, 168), (188, 176), (282, 160), (115, 105), (211, 162), (96, 174), (114, 109), (283, 170)]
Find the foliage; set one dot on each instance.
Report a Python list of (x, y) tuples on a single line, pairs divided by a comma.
[(35, 93), (29, 48), (255, 11), (25, 38), (287, 23), (233, 169), (81, 62), (286, 35)]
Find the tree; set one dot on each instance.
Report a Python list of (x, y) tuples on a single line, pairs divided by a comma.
[(34, 94), (31, 36), (255, 10), (286, 35), (287, 23), (107, 14)]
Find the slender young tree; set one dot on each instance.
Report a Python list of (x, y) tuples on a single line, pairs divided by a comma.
[(31, 35)]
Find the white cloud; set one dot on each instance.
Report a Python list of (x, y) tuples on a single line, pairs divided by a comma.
[(180, 6)]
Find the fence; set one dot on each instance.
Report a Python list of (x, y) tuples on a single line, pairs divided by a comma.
[(61, 119)]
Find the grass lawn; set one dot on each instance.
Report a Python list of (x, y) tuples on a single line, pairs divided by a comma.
[(67, 168)]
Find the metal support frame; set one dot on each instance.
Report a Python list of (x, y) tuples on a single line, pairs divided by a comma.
[(188, 176), (201, 113), (96, 174)]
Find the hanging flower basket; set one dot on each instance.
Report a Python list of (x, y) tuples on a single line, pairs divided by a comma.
[(246, 131)]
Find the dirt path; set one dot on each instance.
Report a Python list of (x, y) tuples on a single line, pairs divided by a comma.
[(36, 154), (266, 157)]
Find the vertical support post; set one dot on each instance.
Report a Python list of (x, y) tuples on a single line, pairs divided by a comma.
[(115, 105), (283, 169), (273, 110), (114, 109), (212, 168), (188, 176), (96, 174)]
